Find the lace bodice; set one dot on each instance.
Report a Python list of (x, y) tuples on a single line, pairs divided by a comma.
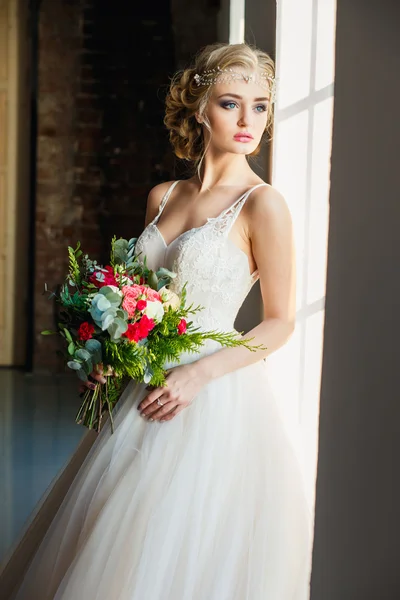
[(215, 270)]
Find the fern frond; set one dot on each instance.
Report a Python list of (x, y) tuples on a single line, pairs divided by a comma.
[(74, 273)]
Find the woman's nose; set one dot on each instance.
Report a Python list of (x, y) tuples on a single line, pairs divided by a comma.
[(244, 119)]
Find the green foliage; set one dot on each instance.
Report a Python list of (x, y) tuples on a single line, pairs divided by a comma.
[(74, 268), (127, 359), (123, 253), (77, 302)]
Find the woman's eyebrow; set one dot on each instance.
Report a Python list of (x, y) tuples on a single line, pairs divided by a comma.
[(241, 98)]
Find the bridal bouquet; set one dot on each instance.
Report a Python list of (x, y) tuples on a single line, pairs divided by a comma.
[(123, 318)]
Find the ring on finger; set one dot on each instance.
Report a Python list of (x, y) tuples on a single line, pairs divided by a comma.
[(159, 402)]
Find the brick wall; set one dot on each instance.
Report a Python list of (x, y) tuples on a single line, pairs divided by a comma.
[(103, 75), (57, 215)]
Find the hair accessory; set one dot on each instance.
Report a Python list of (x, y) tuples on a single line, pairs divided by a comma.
[(219, 75)]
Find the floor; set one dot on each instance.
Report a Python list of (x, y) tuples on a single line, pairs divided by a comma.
[(38, 435)]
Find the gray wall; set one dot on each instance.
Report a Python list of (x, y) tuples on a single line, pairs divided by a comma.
[(357, 527)]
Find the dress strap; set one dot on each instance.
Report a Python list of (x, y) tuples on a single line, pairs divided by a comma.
[(227, 218), (165, 198)]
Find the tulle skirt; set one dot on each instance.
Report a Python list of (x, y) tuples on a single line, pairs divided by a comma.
[(207, 506)]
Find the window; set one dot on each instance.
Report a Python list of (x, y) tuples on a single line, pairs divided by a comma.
[(301, 171)]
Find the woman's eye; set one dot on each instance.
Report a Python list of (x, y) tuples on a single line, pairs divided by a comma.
[(228, 105), (261, 108)]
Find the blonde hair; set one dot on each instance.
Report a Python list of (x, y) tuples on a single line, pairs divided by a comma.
[(185, 98)]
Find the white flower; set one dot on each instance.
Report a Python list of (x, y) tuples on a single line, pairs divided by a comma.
[(169, 298), (154, 310)]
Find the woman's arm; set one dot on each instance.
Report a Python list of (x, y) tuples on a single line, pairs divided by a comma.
[(271, 235)]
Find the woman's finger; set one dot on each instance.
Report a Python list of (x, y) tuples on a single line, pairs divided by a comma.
[(173, 413), (152, 407), (156, 412), (98, 377)]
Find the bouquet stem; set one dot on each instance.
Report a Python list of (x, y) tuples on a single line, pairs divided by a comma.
[(99, 401)]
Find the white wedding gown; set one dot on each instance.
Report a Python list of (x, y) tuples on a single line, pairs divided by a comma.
[(207, 506)]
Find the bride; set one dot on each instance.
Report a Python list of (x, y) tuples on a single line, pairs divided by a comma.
[(198, 494)]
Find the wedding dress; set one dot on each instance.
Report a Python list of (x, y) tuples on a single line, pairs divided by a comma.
[(207, 506)]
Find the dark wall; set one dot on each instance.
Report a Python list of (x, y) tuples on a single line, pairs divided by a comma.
[(122, 147), (57, 213), (103, 73), (356, 550)]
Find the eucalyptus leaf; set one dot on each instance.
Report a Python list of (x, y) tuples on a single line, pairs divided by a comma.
[(117, 328), (161, 283), (88, 366), (121, 250), (107, 320), (148, 375), (163, 272), (121, 314), (82, 375), (74, 365), (113, 297), (101, 302), (83, 354), (93, 346), (153, 280)]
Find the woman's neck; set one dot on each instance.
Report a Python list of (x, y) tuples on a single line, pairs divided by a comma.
[(227, 170)]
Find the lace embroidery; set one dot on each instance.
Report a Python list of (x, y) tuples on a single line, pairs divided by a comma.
[(215, 271), (143, 241)]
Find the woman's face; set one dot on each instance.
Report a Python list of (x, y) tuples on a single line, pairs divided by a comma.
[(237, 112)]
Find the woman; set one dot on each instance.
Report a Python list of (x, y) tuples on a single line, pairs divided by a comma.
[(198, 494)]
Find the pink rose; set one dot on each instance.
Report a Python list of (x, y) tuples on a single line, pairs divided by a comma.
[(137, 293), (151, 294), (131, 294)]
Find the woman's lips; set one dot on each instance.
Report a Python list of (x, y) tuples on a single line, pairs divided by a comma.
[(243, 137)]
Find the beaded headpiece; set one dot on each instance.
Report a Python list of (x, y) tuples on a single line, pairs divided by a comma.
[(219, 75)]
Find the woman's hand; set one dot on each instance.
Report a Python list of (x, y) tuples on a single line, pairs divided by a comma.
[(99, 375), (183, 384)]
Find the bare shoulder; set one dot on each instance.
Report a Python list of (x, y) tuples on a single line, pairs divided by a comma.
[(154, 198), (267, 208)]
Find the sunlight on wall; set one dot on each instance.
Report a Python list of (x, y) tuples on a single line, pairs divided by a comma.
[(236, 21), (301, 172)]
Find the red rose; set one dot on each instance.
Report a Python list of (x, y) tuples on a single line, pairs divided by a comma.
[(145, 326), (101, 278), (182, 326), (141, 304), (140, 330), (85, 331), (132, 333)]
